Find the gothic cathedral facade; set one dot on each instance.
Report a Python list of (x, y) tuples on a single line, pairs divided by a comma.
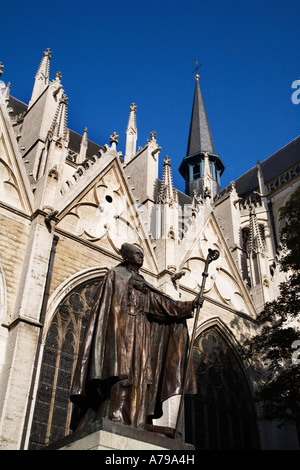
[(66, 206)]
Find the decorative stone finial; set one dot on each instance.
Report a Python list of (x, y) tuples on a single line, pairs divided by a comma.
[(114, 138), (64, 99), (167, 160), (1, 68), (47, 53), (207, 192)]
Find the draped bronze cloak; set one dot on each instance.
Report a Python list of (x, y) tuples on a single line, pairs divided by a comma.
[(135, 336)]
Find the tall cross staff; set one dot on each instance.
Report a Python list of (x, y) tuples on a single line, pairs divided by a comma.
[(212, 256)]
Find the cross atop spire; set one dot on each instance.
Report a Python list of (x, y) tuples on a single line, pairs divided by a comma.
[(197, 67)]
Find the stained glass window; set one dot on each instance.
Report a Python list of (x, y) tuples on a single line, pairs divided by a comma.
[(221, 416), (53, 409)]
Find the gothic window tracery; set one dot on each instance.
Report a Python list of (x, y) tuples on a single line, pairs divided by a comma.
[(3, 301), (52, 414), (221, 416), (245, 256)]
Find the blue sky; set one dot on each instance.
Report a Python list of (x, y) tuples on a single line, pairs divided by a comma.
[(112, 54)]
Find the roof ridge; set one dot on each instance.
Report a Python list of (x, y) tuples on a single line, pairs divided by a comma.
[(254, 167)]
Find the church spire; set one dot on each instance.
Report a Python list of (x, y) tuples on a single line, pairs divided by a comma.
[(256, 242), (131, 134), (83, 147), (201, 167), (41, 78), (167, 194), (200, 138), (58, 128), (7, 92)]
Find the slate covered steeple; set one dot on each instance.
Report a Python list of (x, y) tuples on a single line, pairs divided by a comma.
[(200, 138), (201, 167)]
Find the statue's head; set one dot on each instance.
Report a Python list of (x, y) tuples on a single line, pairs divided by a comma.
[(132, 254)]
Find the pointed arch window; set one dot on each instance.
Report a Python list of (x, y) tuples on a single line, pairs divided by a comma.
[(3, 295), (52, 414), (221, 416), (3, 313)]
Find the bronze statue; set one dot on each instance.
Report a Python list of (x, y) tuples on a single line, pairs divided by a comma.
[(134, 354)]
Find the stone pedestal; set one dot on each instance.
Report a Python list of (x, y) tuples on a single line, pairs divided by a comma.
[(108, 435)]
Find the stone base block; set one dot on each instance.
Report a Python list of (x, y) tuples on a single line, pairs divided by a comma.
[(108, 435)]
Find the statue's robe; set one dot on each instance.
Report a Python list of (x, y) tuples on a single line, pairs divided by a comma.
[(134, 353)]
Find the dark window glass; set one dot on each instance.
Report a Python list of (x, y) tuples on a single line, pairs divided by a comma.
[(221, 415), (196, 171), (52, 414)]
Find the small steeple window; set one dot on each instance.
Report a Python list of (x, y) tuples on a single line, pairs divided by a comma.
[(213, 170), (196, 171)]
